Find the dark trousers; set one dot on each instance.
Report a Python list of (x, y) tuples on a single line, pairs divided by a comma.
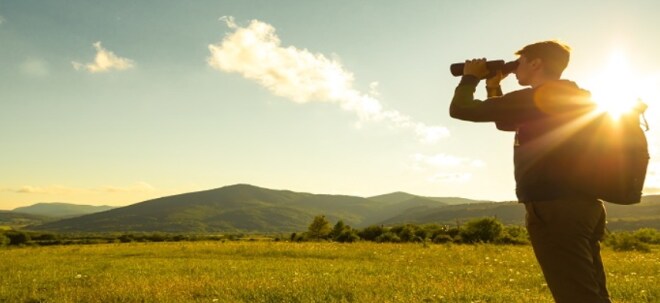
[(565, 235)]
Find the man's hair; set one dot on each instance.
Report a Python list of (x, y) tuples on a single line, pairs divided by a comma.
[(553, 54)]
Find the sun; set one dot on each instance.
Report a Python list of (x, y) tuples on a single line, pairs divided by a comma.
[(616, 87)]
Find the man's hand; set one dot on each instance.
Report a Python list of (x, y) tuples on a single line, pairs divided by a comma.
[(495, 80), (476, 67)]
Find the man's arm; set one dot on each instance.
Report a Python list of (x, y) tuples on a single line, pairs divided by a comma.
[(502, 110), (463, 105)]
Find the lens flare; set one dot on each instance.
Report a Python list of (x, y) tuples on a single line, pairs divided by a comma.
[(616, 87)]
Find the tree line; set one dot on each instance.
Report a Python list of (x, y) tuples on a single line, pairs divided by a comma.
[(480, 230)]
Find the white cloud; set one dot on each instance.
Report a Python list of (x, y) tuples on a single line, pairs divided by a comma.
[(301, 76), (444, 168), (104, 61), (450, 177), (34, 67), (2, 20), (425, 162)]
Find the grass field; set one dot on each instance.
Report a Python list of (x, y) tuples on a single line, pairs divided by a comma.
[(299, 272)]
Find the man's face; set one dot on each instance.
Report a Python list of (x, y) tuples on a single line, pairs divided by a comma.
[(524, 71)]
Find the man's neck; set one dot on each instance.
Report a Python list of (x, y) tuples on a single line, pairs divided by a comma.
[(540, 80)]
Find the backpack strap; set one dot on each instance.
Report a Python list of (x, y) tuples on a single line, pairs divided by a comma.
[(641, 107)]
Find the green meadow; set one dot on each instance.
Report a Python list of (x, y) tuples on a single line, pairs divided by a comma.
[(299, 272)]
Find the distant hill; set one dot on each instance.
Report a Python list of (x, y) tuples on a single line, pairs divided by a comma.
[(620, 217), (247, 208), (398, 197), (631, 217), (506, 212), (233, 208), (18, 220), (60, 210)]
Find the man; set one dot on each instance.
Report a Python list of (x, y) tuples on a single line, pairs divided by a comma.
[(565, 227)]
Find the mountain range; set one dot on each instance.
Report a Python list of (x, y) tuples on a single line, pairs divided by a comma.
[(248, 208), (61, 210)]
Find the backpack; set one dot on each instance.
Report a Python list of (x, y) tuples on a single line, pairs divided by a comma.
[(610, 156)]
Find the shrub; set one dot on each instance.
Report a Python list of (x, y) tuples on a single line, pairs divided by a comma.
[(388, 237), (4, 241), (18, 238), (647, 235), (45, 237), (626, 242), (348, 236), (513, 235), (372, 232), (442, 238), (126, 238), (484, 230), (406, 233)]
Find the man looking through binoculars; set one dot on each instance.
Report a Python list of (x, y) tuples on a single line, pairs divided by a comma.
[(565, 227)]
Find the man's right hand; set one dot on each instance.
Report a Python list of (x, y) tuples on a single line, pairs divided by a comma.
[(495, 80), (476, 67)]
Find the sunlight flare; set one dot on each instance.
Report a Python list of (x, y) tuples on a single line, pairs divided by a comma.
[(616, 88)]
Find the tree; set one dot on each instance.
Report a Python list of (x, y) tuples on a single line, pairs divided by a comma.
[(484, 230), (18, 238), (338, 229), (372, 232), (319, 229), (348, 235)]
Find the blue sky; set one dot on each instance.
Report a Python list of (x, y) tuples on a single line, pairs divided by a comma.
[(118, 102)]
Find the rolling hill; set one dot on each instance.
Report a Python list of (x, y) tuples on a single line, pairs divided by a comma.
[(12, 219), (237, 208), (60, 210), (247, 208)]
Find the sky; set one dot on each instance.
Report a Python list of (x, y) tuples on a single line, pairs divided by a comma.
[(117, 102)]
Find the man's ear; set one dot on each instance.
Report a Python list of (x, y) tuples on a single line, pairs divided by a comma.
[(536, 63)]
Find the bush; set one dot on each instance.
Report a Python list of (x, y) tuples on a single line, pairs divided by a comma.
[(442, 238), (348, 236), (513, 235), (406, 233), (45, 237), (484, 230), (372, 232), (126, 238), (626, 242), (388, 237), (4, 241), (18, 238), (647, 235)]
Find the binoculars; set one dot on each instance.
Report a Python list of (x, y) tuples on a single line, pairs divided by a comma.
[(493, 66)]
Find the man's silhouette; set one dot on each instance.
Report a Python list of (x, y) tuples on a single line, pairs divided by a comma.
[(565, 227)]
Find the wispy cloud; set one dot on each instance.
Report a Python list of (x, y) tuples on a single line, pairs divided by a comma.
[(301, 76), (424, 162), (45, 190), (450, 177), (34, 67), (104, 61), (2, 20), (139, 187), (443, 167)]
